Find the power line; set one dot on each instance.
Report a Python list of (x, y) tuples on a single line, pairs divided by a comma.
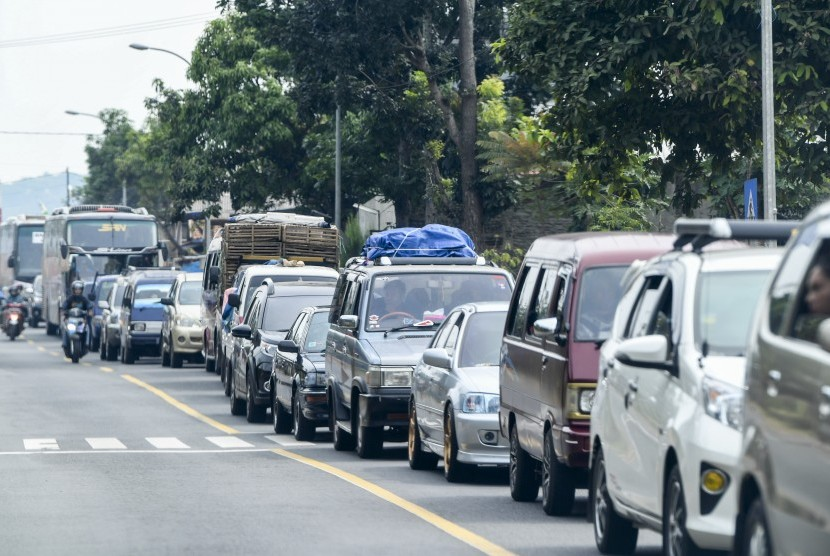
[(107, 31)]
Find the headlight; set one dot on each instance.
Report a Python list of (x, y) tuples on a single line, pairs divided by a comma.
[(315, 379), (723, 402), (139, 326), (186, 321), (580, 400), (70, 327), (480, 403), (389, 376), (268, 349)]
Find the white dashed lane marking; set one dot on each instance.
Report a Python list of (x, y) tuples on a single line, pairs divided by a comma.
[(40, 444), (105, 444), (289, 444), (168, 443), (229, 442)]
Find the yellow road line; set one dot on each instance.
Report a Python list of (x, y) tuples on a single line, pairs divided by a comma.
[(41, 348), (106, 369), (460, 533), (180, 406)]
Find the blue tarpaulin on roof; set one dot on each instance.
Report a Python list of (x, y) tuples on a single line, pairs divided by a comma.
[(433, 240)]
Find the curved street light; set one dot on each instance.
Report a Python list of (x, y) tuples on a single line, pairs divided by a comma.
[(75, 113), (139, 46)]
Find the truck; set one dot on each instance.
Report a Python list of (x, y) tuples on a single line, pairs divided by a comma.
[(258, 238)]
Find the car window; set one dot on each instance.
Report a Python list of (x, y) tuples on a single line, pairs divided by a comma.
[(318, 327), (440, 339), (148, 293), (646, 307), (481, 342), (518, 313), (190, 293), (253, 311), (452, 336), (812, 305), (600, 290), (104, 289), (784, 294), (541, 307), (281, 311), (724, 306)]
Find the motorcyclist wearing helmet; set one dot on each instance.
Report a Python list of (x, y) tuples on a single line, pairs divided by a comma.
[(79, 300), (16, 297)]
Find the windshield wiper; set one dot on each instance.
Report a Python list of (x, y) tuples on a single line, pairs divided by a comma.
[(414, 325)]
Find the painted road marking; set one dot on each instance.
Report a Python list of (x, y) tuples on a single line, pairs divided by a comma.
[(168, 443), (41, 349), (465, 535), (180, 406), (229, 442), (40, 444), (287, 444), (105, 444), (106, 369)]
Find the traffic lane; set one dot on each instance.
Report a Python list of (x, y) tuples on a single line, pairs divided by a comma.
[(131, 503)]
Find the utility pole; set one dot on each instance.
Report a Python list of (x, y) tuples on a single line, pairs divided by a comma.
[(68, 194), (337, 184), (768, 111)]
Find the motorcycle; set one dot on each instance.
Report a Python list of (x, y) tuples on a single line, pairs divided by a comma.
[(13, 319), (76, 330)]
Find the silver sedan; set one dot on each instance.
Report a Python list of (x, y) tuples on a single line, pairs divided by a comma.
[(454, 409)]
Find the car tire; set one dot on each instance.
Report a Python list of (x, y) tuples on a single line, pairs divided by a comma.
[(237, 405), (613, 533), (102, 353), (303, 428), (343, 441), (756, 534), (112, 353), (676, 539), (176, 359), (454, 470), (369, 442), (228, 371), (524, 481), (558, 488), (165, 355), (419, 460), (282, 418), (129, 357), (255, 413)]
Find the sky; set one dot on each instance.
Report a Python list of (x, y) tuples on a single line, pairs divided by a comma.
[(58, 55)]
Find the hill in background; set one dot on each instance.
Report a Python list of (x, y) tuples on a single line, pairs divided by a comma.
[(33, 196)]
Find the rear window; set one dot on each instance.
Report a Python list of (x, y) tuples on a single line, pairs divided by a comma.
[(149, 293), (256, 281), (281, 312), (600, 290), (190, 293), (402, 299), (315, 340), (481, 343)]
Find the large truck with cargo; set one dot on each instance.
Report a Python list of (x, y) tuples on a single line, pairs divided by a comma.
[(258, 238)]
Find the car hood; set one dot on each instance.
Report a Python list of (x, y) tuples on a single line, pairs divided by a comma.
[(397, 349), (189, 311), (151, 311), (729, 369), (480, 379), (317, 360)]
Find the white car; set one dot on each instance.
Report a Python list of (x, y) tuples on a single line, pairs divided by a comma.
[(665, 425)]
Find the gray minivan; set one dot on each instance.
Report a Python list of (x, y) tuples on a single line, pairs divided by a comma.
[(561, 311)]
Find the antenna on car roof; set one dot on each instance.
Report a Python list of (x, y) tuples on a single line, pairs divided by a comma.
[(699, 233)]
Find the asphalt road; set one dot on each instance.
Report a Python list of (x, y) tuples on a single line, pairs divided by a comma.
[(105, 458)]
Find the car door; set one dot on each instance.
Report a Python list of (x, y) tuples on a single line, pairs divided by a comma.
[(288, 361), (631, 456), (244, 346), (435, 382), (336, 346)]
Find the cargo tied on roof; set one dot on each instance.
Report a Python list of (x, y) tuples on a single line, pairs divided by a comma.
[(433, 240)]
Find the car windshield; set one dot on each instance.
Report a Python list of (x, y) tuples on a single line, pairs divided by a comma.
[(725, 304), (405, 299), (481, 342), (315, 340), (150, 293), (104, 289), (600, 290), (112, 233), (281, 312), (190, 293)]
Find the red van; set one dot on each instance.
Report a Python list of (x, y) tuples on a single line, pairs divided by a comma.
[(560, 313)]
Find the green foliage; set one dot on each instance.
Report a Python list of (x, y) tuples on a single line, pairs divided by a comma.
[(353, 239), (508, 257)]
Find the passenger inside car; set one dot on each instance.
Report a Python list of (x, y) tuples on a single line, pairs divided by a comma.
[(816, 306)]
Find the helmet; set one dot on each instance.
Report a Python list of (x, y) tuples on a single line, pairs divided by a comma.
[(15, 290), (77, 287)]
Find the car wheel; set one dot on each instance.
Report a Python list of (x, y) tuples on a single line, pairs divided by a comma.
[(676, 539), (418, 458), (303, 428), (369, 442), (112, 353), (176, 359), (342, 440), (756, 539), (613, 533), (524, 481), (228, 370), (454, 470), (282, 419), (255, 413), (102, 353), (165, 354), (558, 487), (237, 405)]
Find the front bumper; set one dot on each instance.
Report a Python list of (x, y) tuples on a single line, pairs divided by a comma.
[(572, 443), (139, 340), (187, 339), (387, 407), (314, 403), (479, 441)]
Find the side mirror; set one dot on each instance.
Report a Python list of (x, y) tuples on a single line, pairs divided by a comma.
[(546, 328), (213, 275), (103, 304), (64, 250), (10, 262), (437, 357), (823, 334), (349, 322), (234, 301), (162, 246), (288, 346), (648, 352), (241, 331), (167, 301)]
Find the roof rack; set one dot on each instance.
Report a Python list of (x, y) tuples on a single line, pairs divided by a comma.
[(699, 233), (97, 208)]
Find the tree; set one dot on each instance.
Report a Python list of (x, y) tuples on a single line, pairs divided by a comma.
[(680, 79)]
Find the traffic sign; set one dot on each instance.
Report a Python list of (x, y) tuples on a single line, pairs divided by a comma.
[(751, 199)]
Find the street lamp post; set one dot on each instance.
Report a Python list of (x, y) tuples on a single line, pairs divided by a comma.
[(97, 117), (139, 46)]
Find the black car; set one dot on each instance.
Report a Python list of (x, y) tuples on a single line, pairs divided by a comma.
[(274, 307), (298, 376)]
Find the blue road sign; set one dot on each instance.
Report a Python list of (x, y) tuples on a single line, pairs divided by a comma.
[(751, 199)]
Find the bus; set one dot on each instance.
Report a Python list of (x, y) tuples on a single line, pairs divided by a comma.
[(86, 241), (21, 249)]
